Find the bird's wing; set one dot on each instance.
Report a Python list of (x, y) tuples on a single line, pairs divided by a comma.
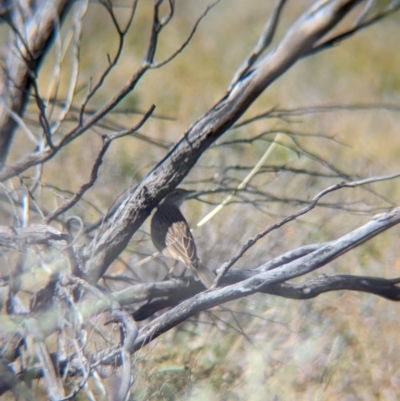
[(180, 243)]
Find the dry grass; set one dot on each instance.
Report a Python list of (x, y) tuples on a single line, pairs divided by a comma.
[(340, 346)]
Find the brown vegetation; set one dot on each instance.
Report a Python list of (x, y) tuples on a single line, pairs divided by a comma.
[(299, 149)]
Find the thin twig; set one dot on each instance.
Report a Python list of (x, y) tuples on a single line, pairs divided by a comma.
[(249, 176), (187, 41), (95, 169), (226, 266), (121, 34), (263, 42)]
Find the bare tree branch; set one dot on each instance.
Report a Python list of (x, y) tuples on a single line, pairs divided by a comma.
[(187, 41), (173, 168), (265, 280), (99, 160), (263, 42), (121, 35), (50, 289), (54, 387), (297, 268), (294, 216), (11, 237), (24, 58)]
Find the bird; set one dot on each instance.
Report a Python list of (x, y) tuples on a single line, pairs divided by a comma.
[(171, 236)]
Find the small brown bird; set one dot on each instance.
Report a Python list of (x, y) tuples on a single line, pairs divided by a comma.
[(171, 235)]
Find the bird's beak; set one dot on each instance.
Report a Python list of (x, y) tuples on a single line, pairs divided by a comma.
[(193, 194)]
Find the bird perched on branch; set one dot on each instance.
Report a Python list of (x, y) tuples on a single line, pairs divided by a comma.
[(171, 235)]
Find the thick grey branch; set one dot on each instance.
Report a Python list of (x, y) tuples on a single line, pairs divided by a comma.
[(300, 39), (270, 281), (12, 237), (385, 288), (260, 282)]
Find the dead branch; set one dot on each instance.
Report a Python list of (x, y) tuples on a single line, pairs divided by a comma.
[(297, 43), (33, 36), (259, 282)]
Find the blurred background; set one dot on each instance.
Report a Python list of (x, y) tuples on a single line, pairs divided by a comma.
[(337, 116)]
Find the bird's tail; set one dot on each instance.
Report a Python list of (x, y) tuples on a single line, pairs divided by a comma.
[(200, 272)]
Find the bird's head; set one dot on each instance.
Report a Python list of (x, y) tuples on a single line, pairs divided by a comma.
[(178, 196)]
